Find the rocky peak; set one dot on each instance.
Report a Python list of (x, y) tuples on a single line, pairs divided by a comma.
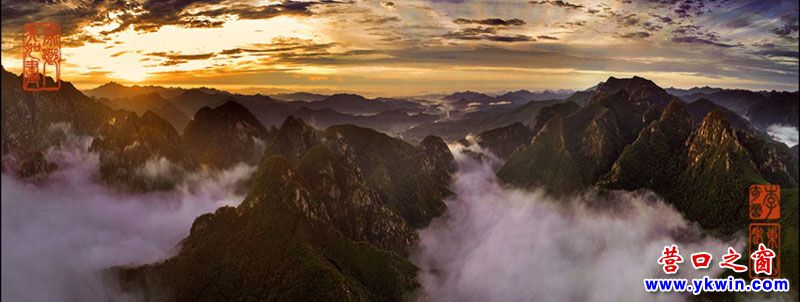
[(642, 91), (438, 159), (676, 110), (504, 140), (293, 139), (225, 135), (714, 134), (434, 145), (547, 113), (230, 114)]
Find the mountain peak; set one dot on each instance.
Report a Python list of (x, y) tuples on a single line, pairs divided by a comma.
[(225, 135), (674, 108), (230, 105), (293, 122), (642, 91)]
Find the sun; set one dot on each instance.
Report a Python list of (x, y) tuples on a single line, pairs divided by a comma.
[(134, 75)]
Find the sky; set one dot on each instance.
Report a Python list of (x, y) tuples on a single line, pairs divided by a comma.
[(396, 48)]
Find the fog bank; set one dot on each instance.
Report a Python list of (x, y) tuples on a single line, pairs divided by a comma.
[(59, 234), (501, 244), (785, 134)]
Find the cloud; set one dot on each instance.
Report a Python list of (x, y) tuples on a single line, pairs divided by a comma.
[(785, 134), (501, 244), (788, 28), (491, 22), (636, 35), (71, 15), (559, 3), (380, 21), (158, 169), (700, 40), (545, 37), (60, 235), (663, 19), (485, 34), (786, 53)]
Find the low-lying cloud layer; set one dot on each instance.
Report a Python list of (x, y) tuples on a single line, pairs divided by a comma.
[(501, 244), (58, 236), (785, 134)]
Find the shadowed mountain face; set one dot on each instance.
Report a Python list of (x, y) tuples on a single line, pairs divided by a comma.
[(155, 103), (140, 153), (778, 108), (702, 107), (328, 218), (735, 99), (762, 109), (504, 140), (547, 113), (224, 136)]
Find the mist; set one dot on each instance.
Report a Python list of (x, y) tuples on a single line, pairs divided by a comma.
[(58, 235), (500, 244), (785, 134)]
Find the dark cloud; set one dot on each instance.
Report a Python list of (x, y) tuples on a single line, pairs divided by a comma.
[(380, 20), (177, 56), (145, 16), (559, 3), (172, 58), (788, 29), (628, 20), (573, 24), (785, 53), (648, 26), (71, 15), (765, 45), (685, 29), (485, 34), (636, 35), (156, 14), (544, 37), (281, 46), (700, 40), (662, 19), (491, 22)]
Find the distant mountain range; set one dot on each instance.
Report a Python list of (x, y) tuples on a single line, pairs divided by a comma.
[(114, 90), (761, 108)]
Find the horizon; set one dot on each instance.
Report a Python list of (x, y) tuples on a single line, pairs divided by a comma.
[(417, 47), (250, 90)]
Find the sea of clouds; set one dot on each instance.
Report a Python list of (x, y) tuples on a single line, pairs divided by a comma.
[(58, 235), (502, 244)]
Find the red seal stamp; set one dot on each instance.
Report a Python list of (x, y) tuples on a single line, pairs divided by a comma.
[(765, 249), (41, 56), (765, 202)]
